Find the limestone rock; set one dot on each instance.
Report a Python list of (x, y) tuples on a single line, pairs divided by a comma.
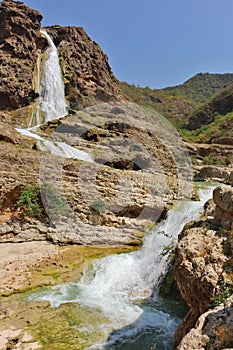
[(212, 172), (203, 269), (20, 42), (214, 328), (223, 198)]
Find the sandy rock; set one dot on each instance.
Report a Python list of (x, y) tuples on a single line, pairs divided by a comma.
[(223, 198), (203, 270), (212, 172), (215, 327), (20, 42)]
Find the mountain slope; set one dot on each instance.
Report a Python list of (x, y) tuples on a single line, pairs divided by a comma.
[(213, 121), (179, 102), (202, 86)]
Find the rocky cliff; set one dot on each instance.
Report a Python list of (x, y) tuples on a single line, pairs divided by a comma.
[(87, 74), (203, 271), (20, 42)]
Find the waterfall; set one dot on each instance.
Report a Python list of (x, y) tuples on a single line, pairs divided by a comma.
[(124, 287), (58, 148), (51, 103)]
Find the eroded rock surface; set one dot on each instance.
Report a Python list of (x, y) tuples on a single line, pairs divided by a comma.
[(203, 270), (20, 43), (223, 198), (131, 182)]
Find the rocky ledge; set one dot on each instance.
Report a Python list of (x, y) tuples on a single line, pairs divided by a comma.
[(204, 273), (114, 199)]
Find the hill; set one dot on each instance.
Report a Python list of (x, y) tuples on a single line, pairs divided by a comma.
[(179, 102), (213, 121), (202, 86)]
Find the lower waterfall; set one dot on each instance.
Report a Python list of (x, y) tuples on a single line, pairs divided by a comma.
[(124, 287), (60, 149)]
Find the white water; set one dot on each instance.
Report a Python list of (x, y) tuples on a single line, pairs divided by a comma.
[(57, 148), (51, 103), (118, 284)]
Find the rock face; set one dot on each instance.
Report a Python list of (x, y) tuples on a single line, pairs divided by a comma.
[(130, 184), (203, 271), (223, 198), (20, 42), (87, 74), (213, 172), (213, 330)]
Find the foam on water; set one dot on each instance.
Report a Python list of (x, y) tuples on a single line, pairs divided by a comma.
[(57, 148), (118, 285)]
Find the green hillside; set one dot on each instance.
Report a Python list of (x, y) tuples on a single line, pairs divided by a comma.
[(200, 108), (202, 86), (213, 121)]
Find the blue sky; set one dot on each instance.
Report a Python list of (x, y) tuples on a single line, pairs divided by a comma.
[(153, 43)]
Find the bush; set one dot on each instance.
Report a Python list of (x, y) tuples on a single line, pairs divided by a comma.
[(224, 293), (98, 205), (30, 201)]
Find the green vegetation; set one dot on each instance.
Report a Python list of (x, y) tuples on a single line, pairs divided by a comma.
[(222, 126), (203, 104), (68, 327), (224, 293), (98, 205), (179, 102), (209, 344), (202, 86), (29, 201), (34, 198)]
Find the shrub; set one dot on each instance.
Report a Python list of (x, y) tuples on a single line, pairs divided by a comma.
[(224, 293), (98, 205), (29, 201)]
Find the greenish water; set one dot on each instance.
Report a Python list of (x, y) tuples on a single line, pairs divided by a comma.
[(124, 288)]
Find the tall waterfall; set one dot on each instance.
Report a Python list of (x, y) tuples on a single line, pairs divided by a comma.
[(51, 103)]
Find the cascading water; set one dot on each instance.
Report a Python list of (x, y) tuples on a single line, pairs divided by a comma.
[(124, 287), (51, 103)]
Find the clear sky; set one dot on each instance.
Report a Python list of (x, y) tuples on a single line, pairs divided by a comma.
[(153, 43)]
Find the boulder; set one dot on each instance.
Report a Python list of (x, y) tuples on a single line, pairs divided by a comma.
[(223, 198)]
